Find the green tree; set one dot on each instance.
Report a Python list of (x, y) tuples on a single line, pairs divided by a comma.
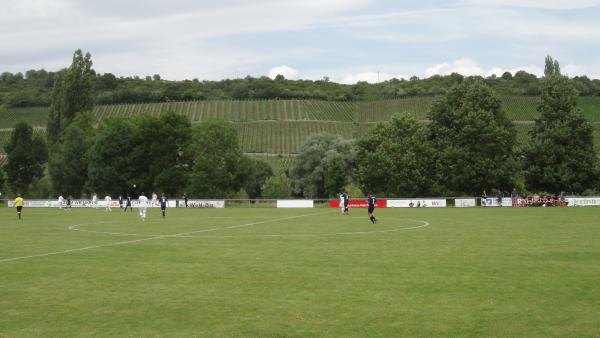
[(72, 93), (277, 186), (158, 154), (395, 158), (560, 155), (253, 173), (26, 156), (323, 167), (215, 160), (110, 169), (68, 164), (2, 181), (551, 67), (473, 140)]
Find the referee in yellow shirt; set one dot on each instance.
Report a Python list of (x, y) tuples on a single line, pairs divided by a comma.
[(19, 204)]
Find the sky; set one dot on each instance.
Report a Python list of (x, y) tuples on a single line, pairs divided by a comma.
[(345, 40)]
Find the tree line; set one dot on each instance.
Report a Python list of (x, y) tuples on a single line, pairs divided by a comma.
[(468, 146), (35, 88)]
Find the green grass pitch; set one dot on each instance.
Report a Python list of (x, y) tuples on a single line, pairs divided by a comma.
[(260, 272)]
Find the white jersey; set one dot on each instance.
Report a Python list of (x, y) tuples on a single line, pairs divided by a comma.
[(108, 199), (143, 200), (61, 200), (94, 198)]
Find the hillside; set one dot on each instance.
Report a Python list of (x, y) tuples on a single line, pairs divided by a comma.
[(280, 127)]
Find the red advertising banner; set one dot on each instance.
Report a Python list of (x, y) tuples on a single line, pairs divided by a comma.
[(358, 204)]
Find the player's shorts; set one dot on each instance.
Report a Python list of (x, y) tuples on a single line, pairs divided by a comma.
[(19, 208), (371, 209), (163, 207)]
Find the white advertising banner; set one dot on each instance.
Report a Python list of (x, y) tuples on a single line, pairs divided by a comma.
[(464, 202), (83, 204), (295, 204), (417, 203), (202, 204), (493, 202), (583, 201)]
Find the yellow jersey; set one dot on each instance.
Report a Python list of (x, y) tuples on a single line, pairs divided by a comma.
[(19, 202)]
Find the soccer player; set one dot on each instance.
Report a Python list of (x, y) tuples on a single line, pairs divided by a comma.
[(163, 204), (346, 201), (372, 200), (108, 200), (154, 199), (19, 201), (94, 200), (61, 202), (120, 202), (185, 199), (128, 204), (143, 204), (69, 202), (342, 202)]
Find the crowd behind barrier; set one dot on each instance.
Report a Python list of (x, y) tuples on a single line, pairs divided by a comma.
[(440, 202)]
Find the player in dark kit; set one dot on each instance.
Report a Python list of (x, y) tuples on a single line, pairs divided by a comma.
[(128, 204), (346, 199), (372, 200), (163, 203)]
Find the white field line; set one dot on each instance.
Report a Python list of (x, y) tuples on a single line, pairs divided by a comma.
[(4, 260), (423, 225)]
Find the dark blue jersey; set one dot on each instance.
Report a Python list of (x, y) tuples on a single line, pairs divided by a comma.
[(163, 202), (372, 201), (346, 198)]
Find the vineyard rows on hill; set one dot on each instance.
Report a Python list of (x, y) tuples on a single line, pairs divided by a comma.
[(517, 108), (287, 137)]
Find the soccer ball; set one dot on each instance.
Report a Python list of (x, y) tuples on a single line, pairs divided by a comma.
[(134, 185)]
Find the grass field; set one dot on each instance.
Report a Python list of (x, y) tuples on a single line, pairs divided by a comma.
[(306, 272)]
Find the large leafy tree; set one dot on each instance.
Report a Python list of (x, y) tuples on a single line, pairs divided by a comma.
[(110, 167), (72, 93), (473, 140), (68, 164), (323, 167), (2, 180), (215, 157), (159, 153), (253, 173), (26, 155), (277, 186), (395, 158), (560, 155)]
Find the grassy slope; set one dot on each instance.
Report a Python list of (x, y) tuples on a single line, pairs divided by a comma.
[(282, 126), (472, 272)]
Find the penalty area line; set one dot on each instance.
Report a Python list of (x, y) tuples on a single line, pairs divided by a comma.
[(183, 234)]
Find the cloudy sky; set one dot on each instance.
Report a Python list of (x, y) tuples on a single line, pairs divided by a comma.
[(346, 40)]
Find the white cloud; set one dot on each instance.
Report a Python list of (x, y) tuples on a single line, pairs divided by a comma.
[(287, 71), (370, 77), (544, 4), (464, 66), (469, 67)]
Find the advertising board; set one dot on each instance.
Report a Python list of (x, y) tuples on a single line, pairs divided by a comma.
[(417, 203), (295, 203)]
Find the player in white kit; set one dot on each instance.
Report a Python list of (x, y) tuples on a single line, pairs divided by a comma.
[(94, 200), (108, 201), (154, 200), (61, 201), (143, 204)]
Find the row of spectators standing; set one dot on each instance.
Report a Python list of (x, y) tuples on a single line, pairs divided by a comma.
[(556, 200)]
